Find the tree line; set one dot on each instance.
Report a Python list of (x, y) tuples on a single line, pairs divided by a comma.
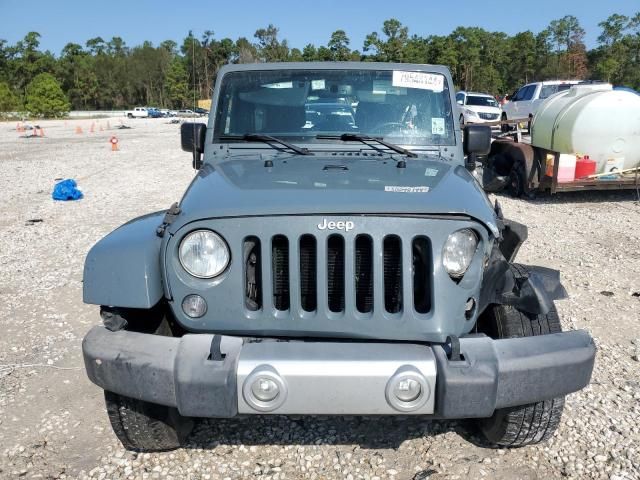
[(109, 74)]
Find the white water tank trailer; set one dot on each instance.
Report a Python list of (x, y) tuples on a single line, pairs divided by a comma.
[(593, 120)]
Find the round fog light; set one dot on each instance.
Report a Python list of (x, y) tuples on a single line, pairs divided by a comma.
[(265, 389), (407, 390), (194, 306)]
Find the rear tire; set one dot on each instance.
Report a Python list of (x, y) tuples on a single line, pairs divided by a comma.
[(526, 424), (143, 426)]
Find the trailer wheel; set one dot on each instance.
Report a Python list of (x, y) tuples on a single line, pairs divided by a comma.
[(517, 180)]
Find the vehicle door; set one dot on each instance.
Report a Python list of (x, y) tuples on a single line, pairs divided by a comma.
[(524, 105)]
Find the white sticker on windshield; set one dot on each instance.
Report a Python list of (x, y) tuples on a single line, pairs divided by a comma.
[(425, 81), (401, 189), (317, 84), (384, 87), (431, 172), (279, 85), (437, 126)]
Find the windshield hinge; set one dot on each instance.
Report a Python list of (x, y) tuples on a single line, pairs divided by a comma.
[(169, 217)]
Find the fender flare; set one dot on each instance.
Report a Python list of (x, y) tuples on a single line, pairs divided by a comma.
[(123, 268)]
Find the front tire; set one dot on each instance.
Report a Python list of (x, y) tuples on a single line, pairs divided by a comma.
[(143, 426), (526, 424), (146, 427)]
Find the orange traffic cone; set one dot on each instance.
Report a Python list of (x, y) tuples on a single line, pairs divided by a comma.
[(79, 130), (114, 143), (93, 128), (41, 130)]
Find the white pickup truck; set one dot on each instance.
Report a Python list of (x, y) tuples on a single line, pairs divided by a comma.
[(525, 101), (138, 112)]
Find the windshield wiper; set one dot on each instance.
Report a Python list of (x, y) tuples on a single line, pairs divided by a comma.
[(258, 137), (356, 137)]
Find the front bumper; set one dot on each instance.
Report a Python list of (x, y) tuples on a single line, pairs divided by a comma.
[(211, 376)]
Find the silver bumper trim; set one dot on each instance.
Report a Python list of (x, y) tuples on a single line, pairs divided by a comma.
[(336, 378)]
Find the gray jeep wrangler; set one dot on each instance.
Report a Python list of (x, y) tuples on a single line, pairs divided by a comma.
[(333, 255)]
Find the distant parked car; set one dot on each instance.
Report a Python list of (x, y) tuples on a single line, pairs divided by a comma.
[(154, 113), (201, 111), (477, 107), (329, 114), (138, 112), (187, 113)]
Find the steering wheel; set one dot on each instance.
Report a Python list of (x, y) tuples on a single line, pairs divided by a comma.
[(387, 127)]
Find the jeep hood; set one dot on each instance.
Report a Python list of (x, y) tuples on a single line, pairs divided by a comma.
[(334, 184)]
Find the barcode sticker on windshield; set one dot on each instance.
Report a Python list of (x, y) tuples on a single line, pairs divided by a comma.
[(425, 81), (437, 126), (403, 189)]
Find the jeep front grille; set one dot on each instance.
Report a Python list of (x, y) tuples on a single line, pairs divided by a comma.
[(349, 278)]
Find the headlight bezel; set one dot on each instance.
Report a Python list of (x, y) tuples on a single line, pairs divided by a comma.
[(190, 271), (459, 273)]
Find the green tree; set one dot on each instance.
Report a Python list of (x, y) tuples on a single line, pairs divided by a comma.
[(8, 100), (176, 85), (391, 48), (309, 53), (339, 46), (244, 51), (45, 98), (271, 49)]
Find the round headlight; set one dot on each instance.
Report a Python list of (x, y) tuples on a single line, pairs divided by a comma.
[(204, 254), (458, 252)]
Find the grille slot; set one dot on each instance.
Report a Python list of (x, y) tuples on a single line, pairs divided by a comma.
[(280, 271), (364, 273), (421, 253), (308, 273), (252, 273), (392, 261), (335, 273)]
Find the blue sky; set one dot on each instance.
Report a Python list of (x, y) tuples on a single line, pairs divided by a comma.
[(300, 21)]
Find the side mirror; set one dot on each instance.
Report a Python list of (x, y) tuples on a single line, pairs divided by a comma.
[(476, 141), (192, 136), (459, 102)]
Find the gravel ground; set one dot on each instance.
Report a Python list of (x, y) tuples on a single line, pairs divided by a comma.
[(53, 422)]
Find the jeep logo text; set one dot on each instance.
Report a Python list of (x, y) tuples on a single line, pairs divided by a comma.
[(346, 226)]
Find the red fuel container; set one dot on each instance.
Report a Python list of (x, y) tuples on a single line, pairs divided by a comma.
[(585, 166)]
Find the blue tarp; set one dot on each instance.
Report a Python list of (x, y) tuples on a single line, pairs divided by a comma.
[(66, 190)]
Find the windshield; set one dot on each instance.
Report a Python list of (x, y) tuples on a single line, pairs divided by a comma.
[(548, 90), (409, 108), (481, 101)]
